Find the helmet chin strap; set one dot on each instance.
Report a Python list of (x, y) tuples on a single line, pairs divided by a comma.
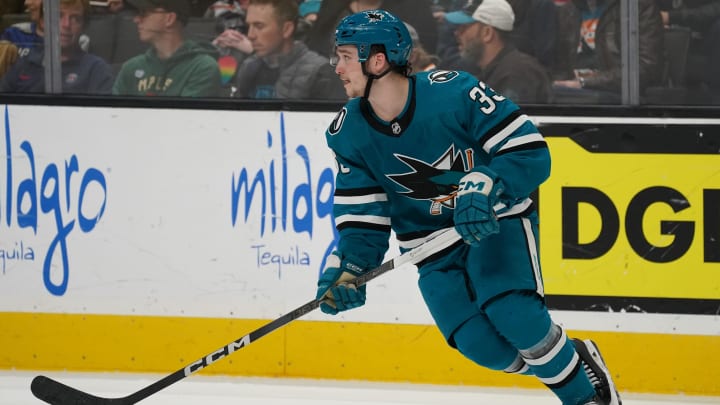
[(372, 77)]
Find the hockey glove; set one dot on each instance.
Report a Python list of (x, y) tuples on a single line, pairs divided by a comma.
[(335, 286), (474, 217)]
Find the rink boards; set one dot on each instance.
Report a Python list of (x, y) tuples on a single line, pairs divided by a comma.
[(145, 239)]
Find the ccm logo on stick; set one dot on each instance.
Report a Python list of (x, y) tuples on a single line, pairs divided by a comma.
[(683, 231), (215, 356)]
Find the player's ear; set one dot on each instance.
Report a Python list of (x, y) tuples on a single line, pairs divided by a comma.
[(378, 61)]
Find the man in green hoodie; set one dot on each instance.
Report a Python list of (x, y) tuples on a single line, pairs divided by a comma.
[(173, 66)]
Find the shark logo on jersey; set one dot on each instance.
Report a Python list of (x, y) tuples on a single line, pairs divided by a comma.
[(436, 182), (337, 123), (442, 76)]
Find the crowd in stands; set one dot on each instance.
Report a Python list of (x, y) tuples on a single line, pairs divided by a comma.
[(533, 51)]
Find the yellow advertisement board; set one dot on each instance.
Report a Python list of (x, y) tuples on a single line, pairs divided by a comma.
[(630, 224)]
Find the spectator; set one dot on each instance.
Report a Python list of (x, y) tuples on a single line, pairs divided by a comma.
[(533, 32), (282, 67), (27, 35), (483, 40), (592, 60), (82, 73), (417, 13), (703, 18), (232, 42), (172, 66)]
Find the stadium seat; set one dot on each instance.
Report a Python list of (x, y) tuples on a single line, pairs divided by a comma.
[(673, 89), (202, 29), (101, 30)]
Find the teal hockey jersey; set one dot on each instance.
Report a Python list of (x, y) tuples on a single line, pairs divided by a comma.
[(403, 174)]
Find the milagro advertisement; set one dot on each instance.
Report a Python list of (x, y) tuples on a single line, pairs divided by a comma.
[(164, 212)]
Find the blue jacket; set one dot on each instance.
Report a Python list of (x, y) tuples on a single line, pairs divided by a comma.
[(82, 74)]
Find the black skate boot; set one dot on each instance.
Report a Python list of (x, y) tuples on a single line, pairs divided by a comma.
[(594, 401), (598, 373)]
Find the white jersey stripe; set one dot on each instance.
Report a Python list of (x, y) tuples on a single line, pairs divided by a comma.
[(522, 140), (360, 199), (371, 219), (514, 210), (412, 244), (534, 257), (504, 133)]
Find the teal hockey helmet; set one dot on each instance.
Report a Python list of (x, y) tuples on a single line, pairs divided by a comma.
[(375, 27)]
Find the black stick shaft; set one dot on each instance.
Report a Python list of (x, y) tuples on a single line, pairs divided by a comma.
[(56, 393)]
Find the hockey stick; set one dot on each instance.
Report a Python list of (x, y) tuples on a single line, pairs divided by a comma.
[(56, 393)]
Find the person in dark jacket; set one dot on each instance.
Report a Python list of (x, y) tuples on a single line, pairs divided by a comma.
[(81, 72), (590, 58), (483, 42), (282, 67)]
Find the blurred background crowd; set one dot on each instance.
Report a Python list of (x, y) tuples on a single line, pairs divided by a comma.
[(532, 51)]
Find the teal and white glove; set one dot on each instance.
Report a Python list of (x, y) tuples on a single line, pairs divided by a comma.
[(335, 288), (474, 217)]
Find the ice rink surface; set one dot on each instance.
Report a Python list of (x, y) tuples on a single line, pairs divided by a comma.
[(15, 390)]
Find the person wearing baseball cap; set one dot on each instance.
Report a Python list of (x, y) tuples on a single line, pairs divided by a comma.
[(173, 65), (482, 32), (181, 8), (495, 13)]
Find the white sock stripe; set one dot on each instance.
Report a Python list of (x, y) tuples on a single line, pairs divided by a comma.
[(544, 359), (563, 374)]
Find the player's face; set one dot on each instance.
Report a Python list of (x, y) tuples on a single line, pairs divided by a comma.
[(349, 70)]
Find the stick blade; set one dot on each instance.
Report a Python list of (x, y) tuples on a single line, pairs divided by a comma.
[(57, 393)]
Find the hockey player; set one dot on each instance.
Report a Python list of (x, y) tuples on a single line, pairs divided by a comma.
[(420, 154)]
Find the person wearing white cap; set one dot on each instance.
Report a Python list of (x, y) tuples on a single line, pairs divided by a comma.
[(482, 30), (496, 13)]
